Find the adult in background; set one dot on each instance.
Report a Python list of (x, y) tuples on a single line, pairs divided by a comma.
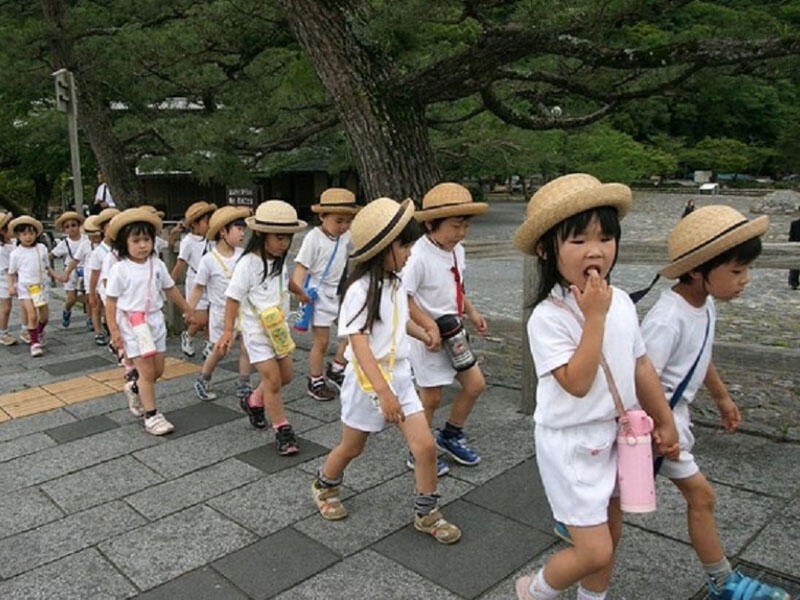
[(102, 197), (794, 236)]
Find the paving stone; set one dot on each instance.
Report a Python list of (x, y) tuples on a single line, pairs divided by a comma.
[(373, 514), (328, 412), (27, 550), (201, 449), (24, 445), (271, 565), (171, 496), (268, 460), (34, 423), (80, 576), (491, 548), (202, 584), (101, 483), (270, 503), (81, 429), (69, 367), (366, 575), (198, 417), (99, 406), (778, 545), (26, 509), (177, 544)]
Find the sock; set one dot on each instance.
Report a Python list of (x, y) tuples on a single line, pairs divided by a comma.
[(718, 572), (425, 503), (327, 482), (3, 331), (541, 590), (243, 380), (255, 400), (40, 327), (150, 413), (34, 335), (279, 424), (316, 379), (584, 594), (204, 377), (337, 367), (451, 431)]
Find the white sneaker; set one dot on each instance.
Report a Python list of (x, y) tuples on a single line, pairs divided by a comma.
[(209, 348), (7, 340), (187, 344), (158, 425), (25, 336), (42, 339), (134, 401), (36, 350)]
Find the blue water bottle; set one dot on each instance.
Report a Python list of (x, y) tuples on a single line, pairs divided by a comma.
[(306, 311)]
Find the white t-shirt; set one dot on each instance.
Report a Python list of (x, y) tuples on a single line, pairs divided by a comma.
[(673, 333), (70, 249), (132, 283), (215, 273), (30, 264), (314, 254), (5, 254), (554, 334), (191, 251), (103, 194), (429, 278), (249, 287), (392, 323)]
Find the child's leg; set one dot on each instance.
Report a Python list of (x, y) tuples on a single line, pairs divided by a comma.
[(700, 501), (243, 388), (472, 385), (351, 446), (147, 369), (199, 322), (339, 358), (286, 370), (431, 398), (319, 347), (43, 316), (71, 298), (5, 313), (598, 581), (420, 441), (203, 381), (270, 389)]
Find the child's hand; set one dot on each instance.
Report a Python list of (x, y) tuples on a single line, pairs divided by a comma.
[(665, 437), (12, 290), (305, 298), (729, 413), (595, 299), (224, 343), (434, 343), (390, 407), (479, 322), (188, 316), (116, 341)]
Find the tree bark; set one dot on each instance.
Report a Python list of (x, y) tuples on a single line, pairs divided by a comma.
[(385, 128)]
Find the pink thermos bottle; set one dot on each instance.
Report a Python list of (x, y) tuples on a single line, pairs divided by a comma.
[(635, 464)]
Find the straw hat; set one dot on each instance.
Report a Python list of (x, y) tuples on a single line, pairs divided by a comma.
[(377, 225), (564, 197), (705, 233), (275, 216), (223, 216), (449, 200), (105, 216), (5, 218), (90, 225), (26, 220), (159, 213), (336, 201), (70, 215), (197, 210), (132, 215)]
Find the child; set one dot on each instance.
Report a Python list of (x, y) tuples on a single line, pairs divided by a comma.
[(710, 251), (377, 385), (434, 278), (320, 263), (27, 267), (133, 305), (94, 267), (572, 226), (258, 288), (77, 247), (227, 227), (193, 246), (6, 247)]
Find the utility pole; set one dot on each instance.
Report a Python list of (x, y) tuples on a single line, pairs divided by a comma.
[(67, 102)]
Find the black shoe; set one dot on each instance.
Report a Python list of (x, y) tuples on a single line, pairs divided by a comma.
[(285, 441), (254, 413)]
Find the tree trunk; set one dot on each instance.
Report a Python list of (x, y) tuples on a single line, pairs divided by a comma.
[(93, 117), (385, 128)]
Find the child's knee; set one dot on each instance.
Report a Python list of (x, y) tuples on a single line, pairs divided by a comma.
[(423, 449), (597, 556), (702, 497)]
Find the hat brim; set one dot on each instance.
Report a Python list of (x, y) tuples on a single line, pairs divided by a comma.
[(5, 219), (384, 237), (234, 214), (129, 216), (26, 220), (747, 231), (460, 209), (68, 216), (197, 213), (336, 209), (256, 225), (543, 218), (106, 215)]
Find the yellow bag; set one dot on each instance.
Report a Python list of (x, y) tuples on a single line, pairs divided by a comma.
[(37, 295), (274, 323), (363, 380)]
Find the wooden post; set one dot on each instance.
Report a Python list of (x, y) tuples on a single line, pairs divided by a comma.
[(530, 281)]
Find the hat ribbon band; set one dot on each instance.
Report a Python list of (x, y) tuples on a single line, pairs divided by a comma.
[(372, 242), (446, 205), (711, 240), (276, 223), (337, 204)]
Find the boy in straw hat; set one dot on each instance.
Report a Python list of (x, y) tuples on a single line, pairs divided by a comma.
[(319, 266), (74, 248), (434, 278), (27, 269), (710, 251), (192, 248), (377, 387), (6, 247), (93, 270)]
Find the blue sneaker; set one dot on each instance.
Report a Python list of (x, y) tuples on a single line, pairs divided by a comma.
[(243, 390), (442, 468), (742, 587), (561, 531), (66, 318), (457, 447)]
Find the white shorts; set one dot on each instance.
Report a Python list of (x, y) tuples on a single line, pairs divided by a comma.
[(202, 304), (258, 345), (4, 286), (326, 310), (158, 329), (75, 282), (578, 467), (24, 294), (359, 411), (685, 466), (431, 369), (216, 323)]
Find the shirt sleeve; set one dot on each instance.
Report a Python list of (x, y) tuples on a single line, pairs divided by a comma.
[(60, 249), (115, 282), (351, 316), (239, 286), (660, 339), (552, 340), (13, 263), (184, 250), (165, 278), (305, 256), (204, 270)]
